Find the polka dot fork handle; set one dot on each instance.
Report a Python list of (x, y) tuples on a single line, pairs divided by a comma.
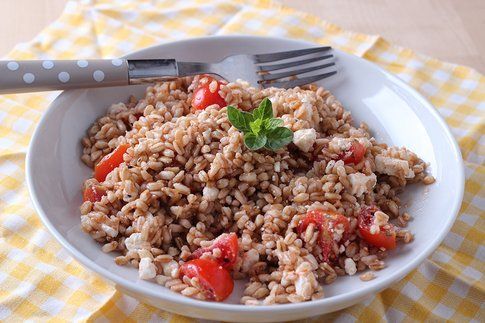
[(50, 75), (281, 69)]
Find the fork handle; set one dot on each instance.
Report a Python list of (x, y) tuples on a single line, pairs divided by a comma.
[(49, 75)]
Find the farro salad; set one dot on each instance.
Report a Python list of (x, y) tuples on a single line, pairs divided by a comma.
[(203, 182)]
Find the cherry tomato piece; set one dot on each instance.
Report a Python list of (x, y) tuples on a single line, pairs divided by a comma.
[(109, 162), (93, 193), (355, 153), (213, 278), (329, 224), (228, 245), (203, 97), (386, 238)]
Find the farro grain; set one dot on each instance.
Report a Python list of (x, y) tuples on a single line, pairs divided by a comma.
[(367, 276), (187, 177)]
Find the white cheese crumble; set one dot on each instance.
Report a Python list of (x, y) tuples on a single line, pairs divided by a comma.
[(393, 166), (146, 269), (249, 259), (210, 193), (350, 267), (170, 268), (361, 183), (135, 242), (304, 139), (340, 144)]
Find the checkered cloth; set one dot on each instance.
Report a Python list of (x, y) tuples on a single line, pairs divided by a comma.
[(40, 281)]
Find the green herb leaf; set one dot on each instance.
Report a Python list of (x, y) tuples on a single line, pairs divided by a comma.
[(272, 123), (256, 126), (278, 137), (260, 128), (254, 142), (239, 119), (264, 111)]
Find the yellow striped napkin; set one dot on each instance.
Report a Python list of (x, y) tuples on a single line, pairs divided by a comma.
[(38, 280)]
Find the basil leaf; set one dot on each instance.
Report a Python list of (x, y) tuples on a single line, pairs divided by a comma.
[(278, 137), (264, 111), (254, 142), (256, 126), (239, 119), (272, 123)]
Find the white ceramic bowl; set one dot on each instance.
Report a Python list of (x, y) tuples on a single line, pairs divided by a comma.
[(396, 113)]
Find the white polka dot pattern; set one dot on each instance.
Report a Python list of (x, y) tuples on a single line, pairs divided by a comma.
[(82, 63), (64, 77), (13, 66), (40, 75), (117, 62), (98, 76), (48, 65), (29, 78)]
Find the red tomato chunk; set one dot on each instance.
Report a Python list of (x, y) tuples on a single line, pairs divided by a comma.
[(204, 97), (93, 193), (228, 245), (355, 154), (327, 224), (215, 280), (386, 238), (110, 162)]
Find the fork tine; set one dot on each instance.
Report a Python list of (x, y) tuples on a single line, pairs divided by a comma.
[(271, 57), (276, 76), (274, 67), (298, 82)]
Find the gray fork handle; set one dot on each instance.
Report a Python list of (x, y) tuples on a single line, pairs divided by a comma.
[(49, 75)]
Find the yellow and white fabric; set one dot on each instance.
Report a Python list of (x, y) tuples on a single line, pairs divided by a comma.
[(40, 281)]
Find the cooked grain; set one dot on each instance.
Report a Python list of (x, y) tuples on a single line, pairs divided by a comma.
[(187, 177)]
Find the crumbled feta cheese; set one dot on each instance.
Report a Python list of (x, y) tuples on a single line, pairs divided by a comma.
[(374, 229), (303, 287), (135, 242), (306, 281), (170, 268), (249, 259), (304, 112), (350, 267), (210, 193), (361, 183), (109, 230), (304, 139), (380, 218), (146, 269), (393, 166), (338, 144), (277, 167)]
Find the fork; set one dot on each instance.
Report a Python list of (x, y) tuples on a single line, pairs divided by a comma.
[(281, 69)]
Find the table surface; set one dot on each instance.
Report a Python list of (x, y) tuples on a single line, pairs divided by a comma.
[(451, 30)]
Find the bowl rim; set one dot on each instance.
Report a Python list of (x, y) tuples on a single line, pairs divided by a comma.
[(333, 301)]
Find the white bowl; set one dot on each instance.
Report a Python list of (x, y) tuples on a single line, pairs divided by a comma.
[(395, 112)]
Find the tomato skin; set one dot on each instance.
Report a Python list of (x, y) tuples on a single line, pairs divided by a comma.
[(386, 238), (93, 193), (109, 162), (214, 279), (203, 97), (325, 221), (355, 153), (229, 246)]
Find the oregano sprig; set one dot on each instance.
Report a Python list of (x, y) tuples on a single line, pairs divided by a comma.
[(260, 128)]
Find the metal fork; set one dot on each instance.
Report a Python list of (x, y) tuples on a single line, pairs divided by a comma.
[(282, 69)]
